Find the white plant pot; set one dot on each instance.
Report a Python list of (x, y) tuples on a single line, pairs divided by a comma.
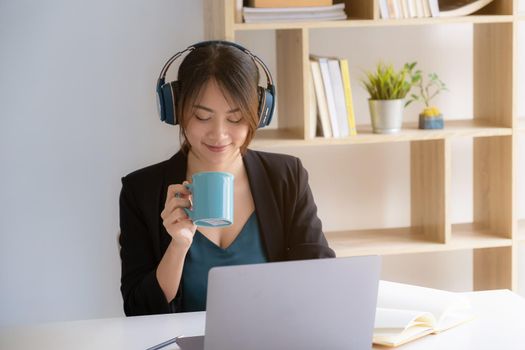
[(386, 115)]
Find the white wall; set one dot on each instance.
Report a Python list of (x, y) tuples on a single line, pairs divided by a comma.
[(78, 111)]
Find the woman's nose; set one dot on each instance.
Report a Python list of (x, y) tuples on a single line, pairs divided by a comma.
[(219, 128)]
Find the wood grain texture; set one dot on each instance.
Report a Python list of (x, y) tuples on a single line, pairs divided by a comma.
[(429, 188)]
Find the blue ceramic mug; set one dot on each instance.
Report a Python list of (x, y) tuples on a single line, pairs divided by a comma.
[(212, 199)]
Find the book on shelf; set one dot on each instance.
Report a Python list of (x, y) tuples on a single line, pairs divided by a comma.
[(333, 91), (412, 9), (349, 102), (329, 94), (405, 4), (426, 8), (456, 8), (339, 96), (294, 14), (419, 9), (434, 7), (407, 312), (408, 8), (322, 107), (383, 9), (312, 108), (288, 3)]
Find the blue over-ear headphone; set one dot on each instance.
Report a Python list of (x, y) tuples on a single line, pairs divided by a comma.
[(167, 92)]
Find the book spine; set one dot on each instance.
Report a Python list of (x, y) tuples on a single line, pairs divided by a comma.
[(434, 8), (345, 73), (332, 111), (391, 9), (404, 8), (383, 9), (288, 3), (419, 8), (312, 117), (339, 96), (426, 8), (322, 104), (412, 8)]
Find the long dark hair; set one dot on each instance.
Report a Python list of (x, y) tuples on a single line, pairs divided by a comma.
[(236, 75)]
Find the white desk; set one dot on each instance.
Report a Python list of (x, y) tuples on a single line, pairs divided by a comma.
[(500, 324)]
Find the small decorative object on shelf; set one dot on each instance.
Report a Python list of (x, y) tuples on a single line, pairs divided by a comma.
[(430, 117), (387, 89)]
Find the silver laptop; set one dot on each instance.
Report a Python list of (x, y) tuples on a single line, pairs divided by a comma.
[(306, 304)]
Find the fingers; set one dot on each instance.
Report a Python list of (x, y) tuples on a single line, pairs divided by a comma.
[(174, 204), (173, 190), (175, 219), (178, 196)]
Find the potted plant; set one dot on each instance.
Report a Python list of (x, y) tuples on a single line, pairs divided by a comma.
[(430, 117), (387, 89)]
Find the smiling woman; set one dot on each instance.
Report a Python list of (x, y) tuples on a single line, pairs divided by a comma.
[(165, 257)]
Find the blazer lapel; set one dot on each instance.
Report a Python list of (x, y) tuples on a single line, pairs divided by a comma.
[(266, 207)]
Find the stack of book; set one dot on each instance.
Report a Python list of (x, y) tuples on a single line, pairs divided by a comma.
[(283, 13), (429, 8), (332, 109), (408, 8)]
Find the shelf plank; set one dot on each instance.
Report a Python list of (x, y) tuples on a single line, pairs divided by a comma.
[(410, 132), (353, 22), (393, 241)]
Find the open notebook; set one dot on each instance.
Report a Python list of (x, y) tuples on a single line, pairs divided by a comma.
[(407, 312)]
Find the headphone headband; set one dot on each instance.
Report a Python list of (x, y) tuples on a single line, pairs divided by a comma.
[(167, 92), (200, 44)]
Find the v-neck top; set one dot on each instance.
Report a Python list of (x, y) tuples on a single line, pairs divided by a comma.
[(247, 248)]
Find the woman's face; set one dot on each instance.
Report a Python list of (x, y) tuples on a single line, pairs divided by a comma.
[(216, 130)]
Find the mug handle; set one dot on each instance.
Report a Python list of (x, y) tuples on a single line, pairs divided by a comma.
[(188, 211)]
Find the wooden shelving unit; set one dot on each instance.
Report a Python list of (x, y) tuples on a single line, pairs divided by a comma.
[(493, 128), (410, 132)]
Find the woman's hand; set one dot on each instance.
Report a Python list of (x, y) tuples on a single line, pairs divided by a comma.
[(175, 219)]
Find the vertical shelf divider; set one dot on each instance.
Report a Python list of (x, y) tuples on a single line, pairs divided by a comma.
[(293, 70), (430, 188), (219, 18), (493, 168), (495, 268)]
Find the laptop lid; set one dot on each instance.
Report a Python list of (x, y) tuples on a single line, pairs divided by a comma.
[(307, 304)]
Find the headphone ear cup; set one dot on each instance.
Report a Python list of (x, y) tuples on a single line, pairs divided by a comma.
[(266, 106), (167, 101)]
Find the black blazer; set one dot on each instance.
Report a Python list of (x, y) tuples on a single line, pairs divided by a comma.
[(284, 205)]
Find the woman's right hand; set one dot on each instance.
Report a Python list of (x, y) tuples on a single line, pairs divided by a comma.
[(175, 220)]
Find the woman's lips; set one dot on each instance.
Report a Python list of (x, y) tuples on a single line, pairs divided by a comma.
[(216, 148)]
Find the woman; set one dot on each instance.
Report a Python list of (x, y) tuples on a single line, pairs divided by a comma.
[(165, 257)]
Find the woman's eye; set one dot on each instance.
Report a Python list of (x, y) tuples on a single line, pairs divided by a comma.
[(201, 118), (235, 120)]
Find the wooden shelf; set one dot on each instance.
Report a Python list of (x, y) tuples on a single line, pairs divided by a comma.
[(494, 80), (410, 132), (521, 230), (354, 22), (402, 241)]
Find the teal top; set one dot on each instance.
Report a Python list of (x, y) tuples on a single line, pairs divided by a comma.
[(247, 248)]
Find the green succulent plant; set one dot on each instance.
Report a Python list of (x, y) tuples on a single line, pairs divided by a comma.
[(387, 84)]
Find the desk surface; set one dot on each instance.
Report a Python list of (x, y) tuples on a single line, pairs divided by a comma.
[(500, 324)]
